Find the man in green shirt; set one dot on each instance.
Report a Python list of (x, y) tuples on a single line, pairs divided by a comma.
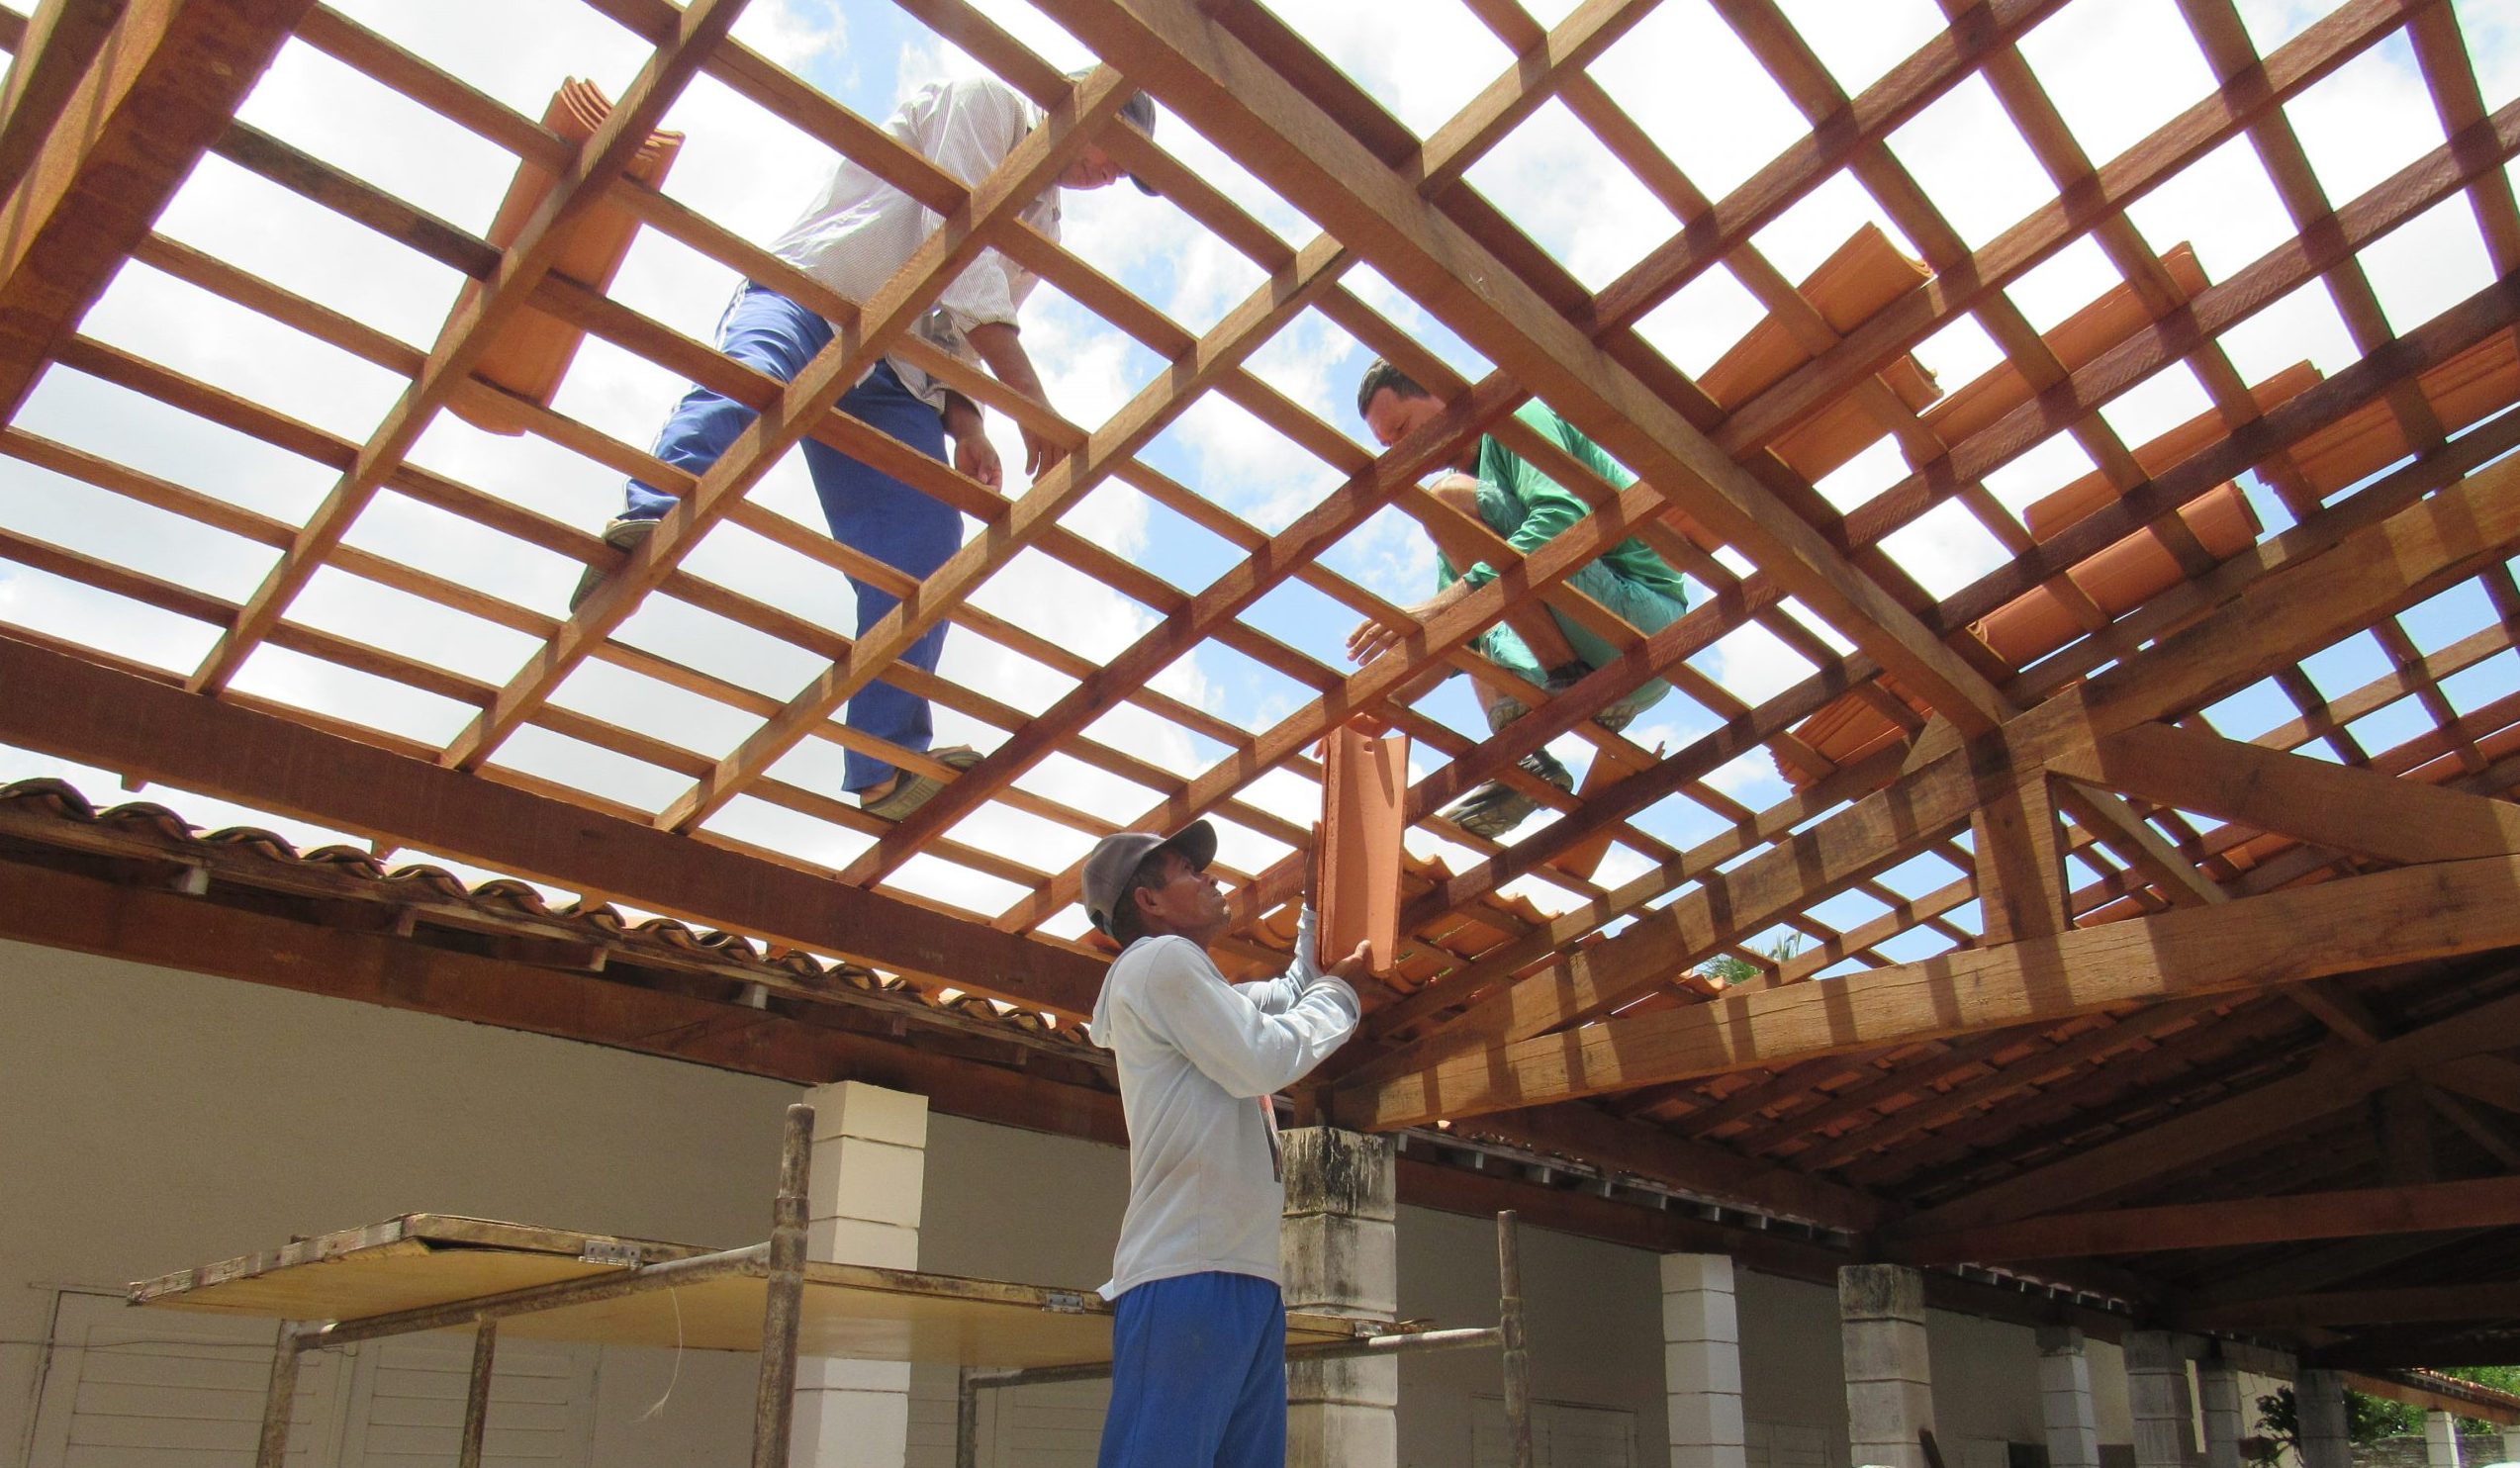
[(1535, 643)]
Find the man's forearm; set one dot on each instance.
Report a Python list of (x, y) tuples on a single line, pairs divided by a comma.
[(1002, 346)]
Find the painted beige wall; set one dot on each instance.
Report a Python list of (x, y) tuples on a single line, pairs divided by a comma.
[(158, 1119)]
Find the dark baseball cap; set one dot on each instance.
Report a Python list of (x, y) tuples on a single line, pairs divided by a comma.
[(1139, 113), (1116, 857)]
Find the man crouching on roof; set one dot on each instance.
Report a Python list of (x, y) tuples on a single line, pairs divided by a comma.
[(1198, 1375), (1535, 643)]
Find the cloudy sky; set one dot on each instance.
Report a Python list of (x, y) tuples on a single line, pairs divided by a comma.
[(2115, 69)]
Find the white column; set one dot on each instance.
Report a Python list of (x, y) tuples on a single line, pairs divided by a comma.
[(2218, 1393), (2511, 1445), (870, 1166), (2441, 1440), (1339, 1239), (2157, 1399), (2065, 1399), (2318, 1399), (1889, 1381), (1702, 1361)]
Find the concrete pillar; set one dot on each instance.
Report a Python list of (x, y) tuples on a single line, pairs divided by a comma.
[(1340, 1257), (2218, 1393), (2441, 1440), (870, 1166), (2511, 1445), (1889, 1381), (2065, 1399), (2318, 1399), (1702, 1361), (2158, 1400)]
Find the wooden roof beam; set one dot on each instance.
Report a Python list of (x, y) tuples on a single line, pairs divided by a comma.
[(2340, 807), (469, 331), (2342, 1077), (1212, 76), (86, 711), (102, 130), (2474, 1300), (2335, 927), (2481, 1204)]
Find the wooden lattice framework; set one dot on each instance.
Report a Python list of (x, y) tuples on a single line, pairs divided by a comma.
[(2289, 978)]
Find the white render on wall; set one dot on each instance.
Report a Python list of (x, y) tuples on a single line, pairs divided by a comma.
[(188, 1118)]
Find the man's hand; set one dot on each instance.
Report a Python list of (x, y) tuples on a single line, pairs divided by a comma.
[(1002, 346), (976, 457), (1357, 966), (1372, 639), (1040, 454)]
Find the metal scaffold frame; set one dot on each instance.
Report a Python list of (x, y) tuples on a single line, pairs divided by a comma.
[(780, 1260)]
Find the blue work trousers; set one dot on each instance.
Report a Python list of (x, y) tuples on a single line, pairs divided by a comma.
[(1198, 1375), (868, 511)]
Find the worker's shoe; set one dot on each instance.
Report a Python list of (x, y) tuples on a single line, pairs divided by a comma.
[(1616, 718), (622, 536), (1496, 807), (910, 791)]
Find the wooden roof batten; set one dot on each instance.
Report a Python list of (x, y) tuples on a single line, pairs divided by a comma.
[(2248, 931)]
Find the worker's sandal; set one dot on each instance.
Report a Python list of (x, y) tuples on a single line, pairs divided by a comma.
[(910, 791), (622, 535), (1496, 807)]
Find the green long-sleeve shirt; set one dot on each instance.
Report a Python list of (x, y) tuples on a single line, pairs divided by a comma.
[(1545, 507)]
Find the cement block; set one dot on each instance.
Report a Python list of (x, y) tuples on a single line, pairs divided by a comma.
[(1700, 1314), (834, 1374), (1334, 1262), (1888, 1410), (877, 1181), (851, 1430), (852, 1108), (857, 1241), (1335, 1172), (1696, 1272), (1701, 1367), (1871, 1292), (1886, 1350), (1339, 1437), (1704, 1420), (1357, 1383)]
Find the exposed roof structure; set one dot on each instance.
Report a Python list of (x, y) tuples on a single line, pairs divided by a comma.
[(2060, 957)]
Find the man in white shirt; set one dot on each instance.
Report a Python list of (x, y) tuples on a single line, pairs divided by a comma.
[(1199, 1339), (856, 235)]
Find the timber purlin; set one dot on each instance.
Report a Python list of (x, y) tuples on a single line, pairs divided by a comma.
[(2031, 1049)]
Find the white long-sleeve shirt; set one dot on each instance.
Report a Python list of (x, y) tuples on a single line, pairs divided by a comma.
[(858, 234), (1198, 1057)]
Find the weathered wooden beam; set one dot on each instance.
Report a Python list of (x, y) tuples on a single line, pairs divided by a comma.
[(81, 711), (2481, 1204), (2339, 807), (2472, 1300), (2020, 851), (2341, 1078), (1876, 832), (1703, 1167), (2397, 916), (121, 137)]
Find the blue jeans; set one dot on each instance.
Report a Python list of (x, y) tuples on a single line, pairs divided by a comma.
[(868, 511), (1198, 1375)]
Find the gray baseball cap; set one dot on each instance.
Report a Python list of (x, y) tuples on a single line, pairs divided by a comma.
[(1116, 857), (1137, 112)]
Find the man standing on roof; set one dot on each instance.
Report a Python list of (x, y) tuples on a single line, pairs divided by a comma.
[(1199, 1336), (1537, 645), (855, 237)]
